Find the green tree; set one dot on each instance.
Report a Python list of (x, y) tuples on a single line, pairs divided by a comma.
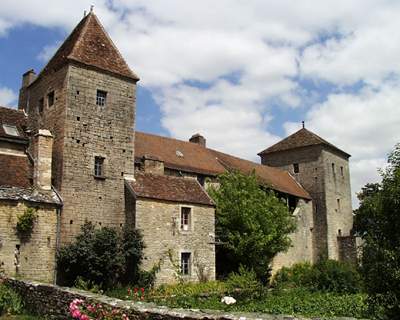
[(251, 222), (377, 222), (101, 256)]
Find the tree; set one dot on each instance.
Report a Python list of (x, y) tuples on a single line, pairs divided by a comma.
[(252, 224), (377, 222), (102, 256)]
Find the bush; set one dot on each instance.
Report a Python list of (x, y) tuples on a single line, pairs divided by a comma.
[(26, 222), (243, 284), (10, 301), (101, 257), (325, 275)]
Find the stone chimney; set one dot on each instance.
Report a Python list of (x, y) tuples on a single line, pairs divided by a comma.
[(199, 139), (27, 78), (153, 165), (42, 156)]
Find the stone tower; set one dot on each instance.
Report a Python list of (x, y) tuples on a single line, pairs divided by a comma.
[(323, 170), (85, 96)]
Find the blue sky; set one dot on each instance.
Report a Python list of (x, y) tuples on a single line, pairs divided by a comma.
[(243, 74)]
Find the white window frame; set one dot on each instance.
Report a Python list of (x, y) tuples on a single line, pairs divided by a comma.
[(99, 166), (11, 130), (189, 226), (101, 100)]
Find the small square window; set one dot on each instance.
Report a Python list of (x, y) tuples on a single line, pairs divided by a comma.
[(99, 166), (41, 105), (185, 263), (185, 218), (296, 168), (50, 99), (101, 98), (11, 130)]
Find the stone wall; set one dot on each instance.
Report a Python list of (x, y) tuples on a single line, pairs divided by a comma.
[(164, 239), (96, 131), (37, 253), (52, 302), (302, 239)]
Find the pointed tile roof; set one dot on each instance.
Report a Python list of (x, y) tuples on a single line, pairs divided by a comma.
[(301, 138), (90, 45)]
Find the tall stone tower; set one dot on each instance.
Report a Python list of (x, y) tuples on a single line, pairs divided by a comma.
[(85, 96), (323, 170)]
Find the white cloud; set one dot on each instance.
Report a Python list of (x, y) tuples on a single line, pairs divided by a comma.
[(267, 45), (7, 97)]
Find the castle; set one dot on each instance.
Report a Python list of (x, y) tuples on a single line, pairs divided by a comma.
[(71, 152)]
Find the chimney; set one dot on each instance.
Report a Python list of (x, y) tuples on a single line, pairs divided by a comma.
[(27, 78), (153, 165), (199, 139), (42, 156)]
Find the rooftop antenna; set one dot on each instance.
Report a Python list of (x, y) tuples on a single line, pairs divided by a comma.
[(302, 123), (84, 13), (91, 8)]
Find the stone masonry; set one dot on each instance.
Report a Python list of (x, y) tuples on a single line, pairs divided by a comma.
[(37, 254), (159, 222), (329, 189)]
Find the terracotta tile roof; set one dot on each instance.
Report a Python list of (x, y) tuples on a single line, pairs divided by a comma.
[(15, 171), (301, 138), (195, 158), (202, 160), (13, 117), (274, 178), (90, 44), (162, 187)]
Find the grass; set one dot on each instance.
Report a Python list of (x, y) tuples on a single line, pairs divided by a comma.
[(296, 302)]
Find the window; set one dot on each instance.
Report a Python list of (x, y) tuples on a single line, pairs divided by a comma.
[(50, 99), (185, 263), (99, 166), (341, 171), (185, 218), (296, 168), (11, 130), (333, 168), (338, 204), (41, 105), (201, 180), (101, 97)]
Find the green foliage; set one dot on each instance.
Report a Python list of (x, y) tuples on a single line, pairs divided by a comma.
[(26, 222), (298, 302), (10, 301), (326, 275), (377, 221), (87, 285), (243, 284), (100, 256), (253, 224)]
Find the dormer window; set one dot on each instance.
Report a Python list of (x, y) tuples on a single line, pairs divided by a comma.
[(101, 98), (11, 130), (50, 99)]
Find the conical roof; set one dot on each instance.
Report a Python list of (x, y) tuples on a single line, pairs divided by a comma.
[(90, 45), (301, 138)]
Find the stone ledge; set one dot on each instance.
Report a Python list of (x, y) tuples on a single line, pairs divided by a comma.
[(53, 301)]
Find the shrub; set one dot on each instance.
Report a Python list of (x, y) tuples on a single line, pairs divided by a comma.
[(243, 284), (325, 275), (10, 301), (26, 222), (101, 257)]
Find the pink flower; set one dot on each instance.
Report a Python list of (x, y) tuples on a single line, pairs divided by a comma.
[(142, 289), (84, 317), (76, 314)]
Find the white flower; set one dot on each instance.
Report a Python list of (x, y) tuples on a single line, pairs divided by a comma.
[(228, 300)]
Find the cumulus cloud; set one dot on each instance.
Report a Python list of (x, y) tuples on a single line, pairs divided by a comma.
[(7, 97), (221, 67), (48, 51)]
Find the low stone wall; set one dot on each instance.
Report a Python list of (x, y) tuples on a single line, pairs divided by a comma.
[(53, 302)]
